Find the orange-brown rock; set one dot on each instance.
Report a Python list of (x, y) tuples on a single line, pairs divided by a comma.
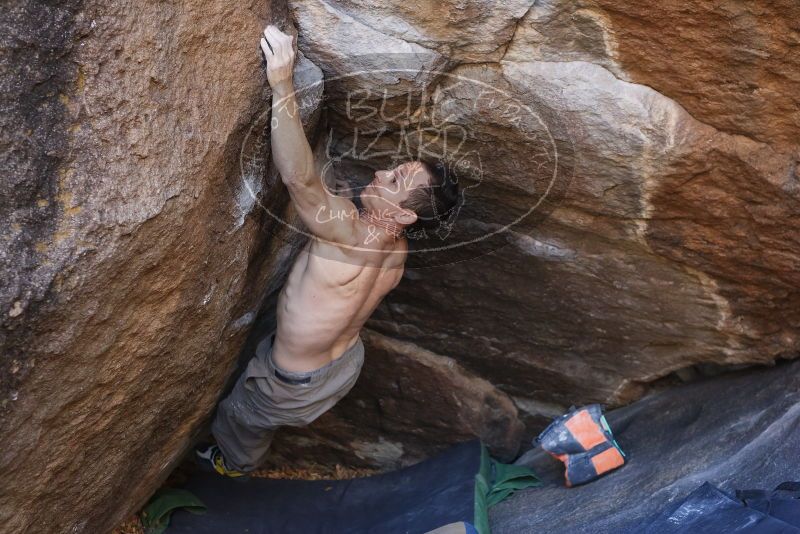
[(632, 197), (133, 262)]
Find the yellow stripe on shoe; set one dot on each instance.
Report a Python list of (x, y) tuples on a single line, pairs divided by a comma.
[(219, 465)]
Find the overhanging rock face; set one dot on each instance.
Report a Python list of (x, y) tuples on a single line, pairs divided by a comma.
[(406, 403), (670, 239)]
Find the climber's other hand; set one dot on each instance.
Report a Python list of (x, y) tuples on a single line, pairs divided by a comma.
[(279, 52)]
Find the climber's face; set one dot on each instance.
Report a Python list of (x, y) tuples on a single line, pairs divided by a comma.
[(389, 189)]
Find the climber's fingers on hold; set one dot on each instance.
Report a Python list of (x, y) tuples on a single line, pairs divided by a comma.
[(269, 37), (280, 42), (265, 48)]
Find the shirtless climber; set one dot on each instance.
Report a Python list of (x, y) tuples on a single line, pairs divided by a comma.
[(354, 259)]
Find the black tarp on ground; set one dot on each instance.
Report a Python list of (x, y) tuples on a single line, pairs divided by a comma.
[(737, 431), (782, 503), (413, 500), (708, 510)]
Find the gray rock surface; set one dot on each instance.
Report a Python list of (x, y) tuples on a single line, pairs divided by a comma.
[(737, 432), (407, 403)]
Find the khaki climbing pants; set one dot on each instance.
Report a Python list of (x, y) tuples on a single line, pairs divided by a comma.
[(266, 397)]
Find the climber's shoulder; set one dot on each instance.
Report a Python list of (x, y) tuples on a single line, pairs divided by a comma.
[(363, 248)]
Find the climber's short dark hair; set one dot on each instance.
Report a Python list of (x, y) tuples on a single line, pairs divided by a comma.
[(433, 203)]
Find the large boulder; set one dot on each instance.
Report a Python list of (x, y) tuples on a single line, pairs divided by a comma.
[(732, 66), (133, 246), (632, 188)]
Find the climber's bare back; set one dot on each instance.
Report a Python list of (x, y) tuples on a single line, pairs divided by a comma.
[(329, 295)]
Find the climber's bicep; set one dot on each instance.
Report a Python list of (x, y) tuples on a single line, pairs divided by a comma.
[(326, 215)]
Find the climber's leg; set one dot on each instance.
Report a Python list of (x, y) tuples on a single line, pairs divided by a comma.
[(266, 397), (242, 442)]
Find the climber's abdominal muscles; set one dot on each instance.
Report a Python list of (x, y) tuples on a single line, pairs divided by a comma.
[(325, 303)]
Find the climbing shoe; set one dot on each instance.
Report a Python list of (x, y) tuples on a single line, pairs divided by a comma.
[(210, 457)]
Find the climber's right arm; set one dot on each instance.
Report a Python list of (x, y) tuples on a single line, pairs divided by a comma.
[(326, 215)]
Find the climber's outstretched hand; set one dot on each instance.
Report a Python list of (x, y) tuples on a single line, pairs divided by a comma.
[(279, 52)]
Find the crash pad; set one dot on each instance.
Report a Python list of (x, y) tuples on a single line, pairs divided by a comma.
[(740, 430), (455, 486)]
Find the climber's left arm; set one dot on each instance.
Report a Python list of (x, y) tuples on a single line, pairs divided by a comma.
[(326, 215), (290, 149)]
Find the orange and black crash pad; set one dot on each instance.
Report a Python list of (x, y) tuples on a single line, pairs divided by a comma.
[(582, 440), (457, 486)]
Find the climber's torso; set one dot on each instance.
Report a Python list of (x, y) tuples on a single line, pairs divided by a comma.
[(329, 295)]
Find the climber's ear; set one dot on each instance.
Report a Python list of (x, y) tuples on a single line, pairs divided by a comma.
[(405, 217)]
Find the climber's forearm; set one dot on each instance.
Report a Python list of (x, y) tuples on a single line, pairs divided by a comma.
[(290, 149), (318, 209), (295, 161)]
